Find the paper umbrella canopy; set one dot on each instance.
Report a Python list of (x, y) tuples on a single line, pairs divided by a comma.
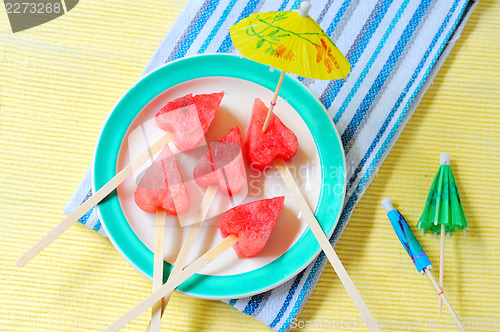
[(443, 206), (292, 42)]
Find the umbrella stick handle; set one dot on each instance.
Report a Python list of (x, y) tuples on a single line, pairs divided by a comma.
[(441, 266), (98, 196), (323, 241), (445, 300), (273, 102)]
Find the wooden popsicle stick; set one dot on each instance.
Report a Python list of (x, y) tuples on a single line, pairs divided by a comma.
[(98, 196), (323, 241), (445, 300), (158, 267), (187, 245), (273, 102), (441, 267), (169, 286)]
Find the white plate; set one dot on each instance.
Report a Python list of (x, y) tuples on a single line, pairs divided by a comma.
[(318, 168)]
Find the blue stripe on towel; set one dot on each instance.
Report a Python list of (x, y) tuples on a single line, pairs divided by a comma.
[(97, 226), (338, 17), (253, 304), (283, 5), (295, 5), (323, 12), (288, 299), (217, 26), (86, 216)]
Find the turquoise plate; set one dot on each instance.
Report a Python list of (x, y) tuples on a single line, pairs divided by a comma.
[(326, 139)]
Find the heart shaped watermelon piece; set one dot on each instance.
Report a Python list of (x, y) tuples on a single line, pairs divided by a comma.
[(253, 223), (189, 118), (162, 186), (223, 165), (276, 141)]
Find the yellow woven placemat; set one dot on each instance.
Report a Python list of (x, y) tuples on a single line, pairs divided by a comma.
[(59, 80)]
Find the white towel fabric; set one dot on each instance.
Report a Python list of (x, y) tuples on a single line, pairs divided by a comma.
[(395, 48)]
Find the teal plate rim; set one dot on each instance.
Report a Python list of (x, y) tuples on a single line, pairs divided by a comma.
[(326, 138)]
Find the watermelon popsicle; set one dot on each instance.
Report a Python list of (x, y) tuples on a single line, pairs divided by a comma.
[(275, 145), (278, 141), (162, 186), (223, 165), (161, 190), (253, 223), (189, 118)]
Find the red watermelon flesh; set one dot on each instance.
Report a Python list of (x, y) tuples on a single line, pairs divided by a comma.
[(223, 165), (253, 223), (189, 117), (162, 186), (276, 141)]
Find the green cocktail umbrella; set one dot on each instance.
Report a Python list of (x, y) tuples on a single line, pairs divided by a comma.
[(443, 212)]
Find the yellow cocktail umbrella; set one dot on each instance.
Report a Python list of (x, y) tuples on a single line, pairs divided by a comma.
[(292, 42)]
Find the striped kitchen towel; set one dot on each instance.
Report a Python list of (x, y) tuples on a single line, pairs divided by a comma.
[(395, 48)]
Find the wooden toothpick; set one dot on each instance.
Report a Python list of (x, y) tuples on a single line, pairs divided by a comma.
[(273, 101), (441, 267), (445, 300)]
